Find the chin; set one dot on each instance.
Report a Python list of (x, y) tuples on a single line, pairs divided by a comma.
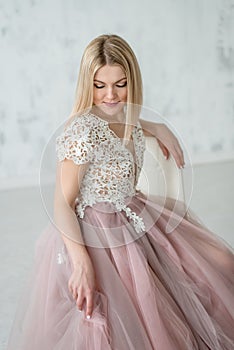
[(112, 110)]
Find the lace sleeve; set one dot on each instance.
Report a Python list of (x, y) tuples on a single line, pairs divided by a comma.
[(75, 143)]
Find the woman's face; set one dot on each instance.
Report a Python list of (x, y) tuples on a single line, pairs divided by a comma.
[(110, 89)]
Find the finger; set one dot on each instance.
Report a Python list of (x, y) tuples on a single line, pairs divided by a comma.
[(89, 304), (79, 301), (74, 293), (179, 151), (164, 149), (179, 156), (165, 152), (72, 290), (69, 288), (176, 157)]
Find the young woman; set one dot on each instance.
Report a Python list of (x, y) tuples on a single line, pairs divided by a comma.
[(107, 273)]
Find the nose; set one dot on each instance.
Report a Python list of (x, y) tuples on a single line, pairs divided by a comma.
[(110, 93)]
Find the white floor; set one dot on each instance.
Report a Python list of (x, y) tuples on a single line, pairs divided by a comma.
[(23, 217)]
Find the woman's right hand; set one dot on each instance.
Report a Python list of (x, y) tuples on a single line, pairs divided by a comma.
[(82, 284)]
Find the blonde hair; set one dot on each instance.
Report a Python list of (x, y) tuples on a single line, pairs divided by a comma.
[(109, 49)]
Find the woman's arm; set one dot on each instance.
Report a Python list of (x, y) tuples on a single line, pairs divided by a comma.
[(166, 140), (82, 281)]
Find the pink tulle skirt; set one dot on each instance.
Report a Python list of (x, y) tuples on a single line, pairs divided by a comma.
[(162, 291)]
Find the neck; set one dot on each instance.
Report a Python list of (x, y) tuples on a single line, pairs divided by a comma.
[(119, 117)]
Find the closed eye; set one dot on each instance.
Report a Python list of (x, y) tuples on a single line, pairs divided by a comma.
[(118, 85), (122, 85), (98, 86)]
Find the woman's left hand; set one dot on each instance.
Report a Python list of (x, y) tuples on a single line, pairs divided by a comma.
[(169, 144), (166, 140)]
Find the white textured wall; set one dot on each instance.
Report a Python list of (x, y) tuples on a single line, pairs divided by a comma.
[(185, 49)]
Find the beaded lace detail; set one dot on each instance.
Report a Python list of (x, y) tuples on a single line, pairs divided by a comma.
[(113, 171)]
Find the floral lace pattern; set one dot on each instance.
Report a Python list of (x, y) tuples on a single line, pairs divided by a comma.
[(113, 171)]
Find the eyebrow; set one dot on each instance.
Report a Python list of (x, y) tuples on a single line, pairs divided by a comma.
[(114, 83)]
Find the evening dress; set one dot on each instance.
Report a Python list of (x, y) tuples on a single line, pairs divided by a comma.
[(158, 289)]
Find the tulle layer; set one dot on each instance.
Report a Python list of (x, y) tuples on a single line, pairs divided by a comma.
[(161, 291)]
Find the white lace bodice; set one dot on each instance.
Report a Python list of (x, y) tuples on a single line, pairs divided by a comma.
[(113, 171)]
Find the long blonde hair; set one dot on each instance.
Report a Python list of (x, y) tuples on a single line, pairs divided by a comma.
[(109, 49)]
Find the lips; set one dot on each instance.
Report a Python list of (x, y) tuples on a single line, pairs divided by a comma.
[(108, 104)]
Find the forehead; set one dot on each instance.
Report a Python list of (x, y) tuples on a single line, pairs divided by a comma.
[(109, 73)]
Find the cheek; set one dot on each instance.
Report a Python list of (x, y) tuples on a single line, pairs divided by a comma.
[(124, 94), (96, 95)]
